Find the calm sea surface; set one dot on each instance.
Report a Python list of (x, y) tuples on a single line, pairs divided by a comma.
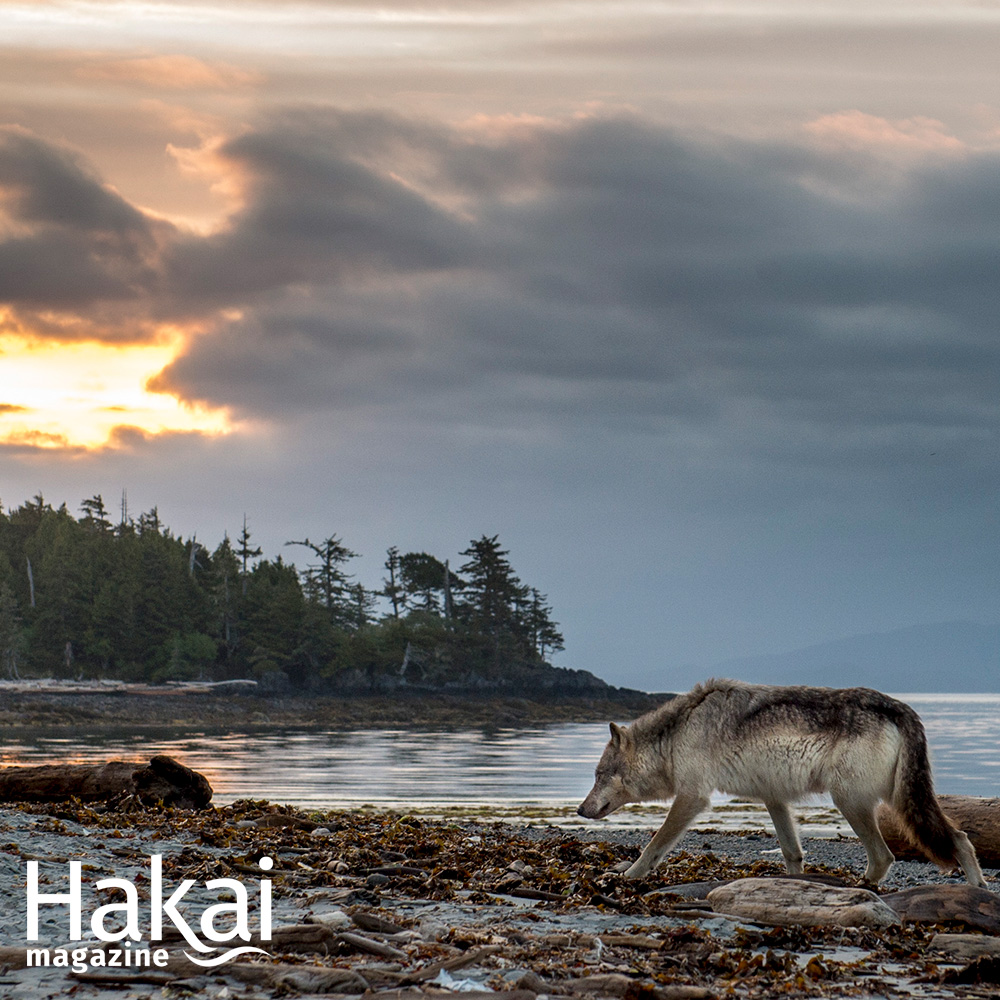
[(548, 766)]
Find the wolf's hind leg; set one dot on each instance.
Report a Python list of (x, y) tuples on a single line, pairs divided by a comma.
[(681, 815), (788, 836), (861, 816), (967, 860)]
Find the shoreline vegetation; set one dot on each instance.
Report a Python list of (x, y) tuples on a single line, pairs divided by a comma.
[(122, 598), (115, 620)]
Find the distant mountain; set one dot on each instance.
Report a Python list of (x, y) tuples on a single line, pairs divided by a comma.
[(949, 656)]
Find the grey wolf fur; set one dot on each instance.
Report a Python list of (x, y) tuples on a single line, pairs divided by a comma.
[(777, 745)]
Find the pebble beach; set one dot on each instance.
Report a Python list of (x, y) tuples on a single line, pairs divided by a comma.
[(396, 906)]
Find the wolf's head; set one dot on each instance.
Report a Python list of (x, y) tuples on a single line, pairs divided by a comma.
[(611, 779)]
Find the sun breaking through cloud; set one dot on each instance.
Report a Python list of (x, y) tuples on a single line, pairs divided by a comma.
[(80, 395)]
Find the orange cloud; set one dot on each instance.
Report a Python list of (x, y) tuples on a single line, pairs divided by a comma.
[(79, 395), (226, 180), (25, 437), (862, 132), (170, 72)]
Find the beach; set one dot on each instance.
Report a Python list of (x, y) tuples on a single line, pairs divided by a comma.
[(395, 904)]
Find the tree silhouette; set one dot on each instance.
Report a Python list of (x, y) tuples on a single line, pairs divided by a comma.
[(80, 596)]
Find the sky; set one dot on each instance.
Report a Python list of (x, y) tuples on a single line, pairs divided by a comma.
[(694, 304)]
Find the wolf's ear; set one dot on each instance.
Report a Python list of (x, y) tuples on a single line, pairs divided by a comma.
[(616, 735)]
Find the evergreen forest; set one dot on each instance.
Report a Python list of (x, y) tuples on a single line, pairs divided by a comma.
[(97, 595)]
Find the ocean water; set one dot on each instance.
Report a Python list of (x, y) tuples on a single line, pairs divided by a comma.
[(963, 732), (543, 771)]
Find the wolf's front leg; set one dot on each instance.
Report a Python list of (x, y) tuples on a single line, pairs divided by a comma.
[(681, 815), (788, 836)]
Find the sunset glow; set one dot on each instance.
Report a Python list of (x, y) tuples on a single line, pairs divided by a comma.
[(692, 301), (79, 395)]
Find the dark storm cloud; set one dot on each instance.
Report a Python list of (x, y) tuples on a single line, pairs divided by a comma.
[(46, 185), (318, 211), (606, 271), (326, 360), (69, 242)]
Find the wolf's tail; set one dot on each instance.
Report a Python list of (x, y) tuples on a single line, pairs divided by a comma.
[(914, 800)]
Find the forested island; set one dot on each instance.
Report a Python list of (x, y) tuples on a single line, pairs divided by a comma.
[(103, 596)]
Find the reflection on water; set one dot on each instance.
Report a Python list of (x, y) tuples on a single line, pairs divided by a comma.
[(964, 736), (547, 766), (314, 768)]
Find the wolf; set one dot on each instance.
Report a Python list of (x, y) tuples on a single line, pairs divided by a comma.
[(777, 745)]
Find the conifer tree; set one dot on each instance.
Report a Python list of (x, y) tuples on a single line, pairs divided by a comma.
[(12, 635), (96, 514), (245, 552), (490, 587), (364, 605), (391, 588), (326, 582), (132, 600), (228, 592), (423, 581), (543, 631)]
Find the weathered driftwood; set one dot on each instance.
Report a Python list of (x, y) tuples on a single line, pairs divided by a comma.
[(471, 957), (691, 892), (786, 902), (372, 922), (124, 980), (13, 958), (302, 978), (967, 947), (163, 779), (358, 942), (282, 820), (304, 939), (935, 904), (309, 938), (611, 984), (426, 973), (978, 817), (615, 984), (641, 941)]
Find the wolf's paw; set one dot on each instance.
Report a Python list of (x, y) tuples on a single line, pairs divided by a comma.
[(637, 870), (620, 869)]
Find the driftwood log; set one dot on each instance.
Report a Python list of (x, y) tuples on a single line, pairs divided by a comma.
[(785, 902), (967, 947), (616, 984), (163, 779), (978, 817), (939, 904), (298, 978)]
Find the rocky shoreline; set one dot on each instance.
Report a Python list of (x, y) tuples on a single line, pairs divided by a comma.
[(394, 907), (141, 706)]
